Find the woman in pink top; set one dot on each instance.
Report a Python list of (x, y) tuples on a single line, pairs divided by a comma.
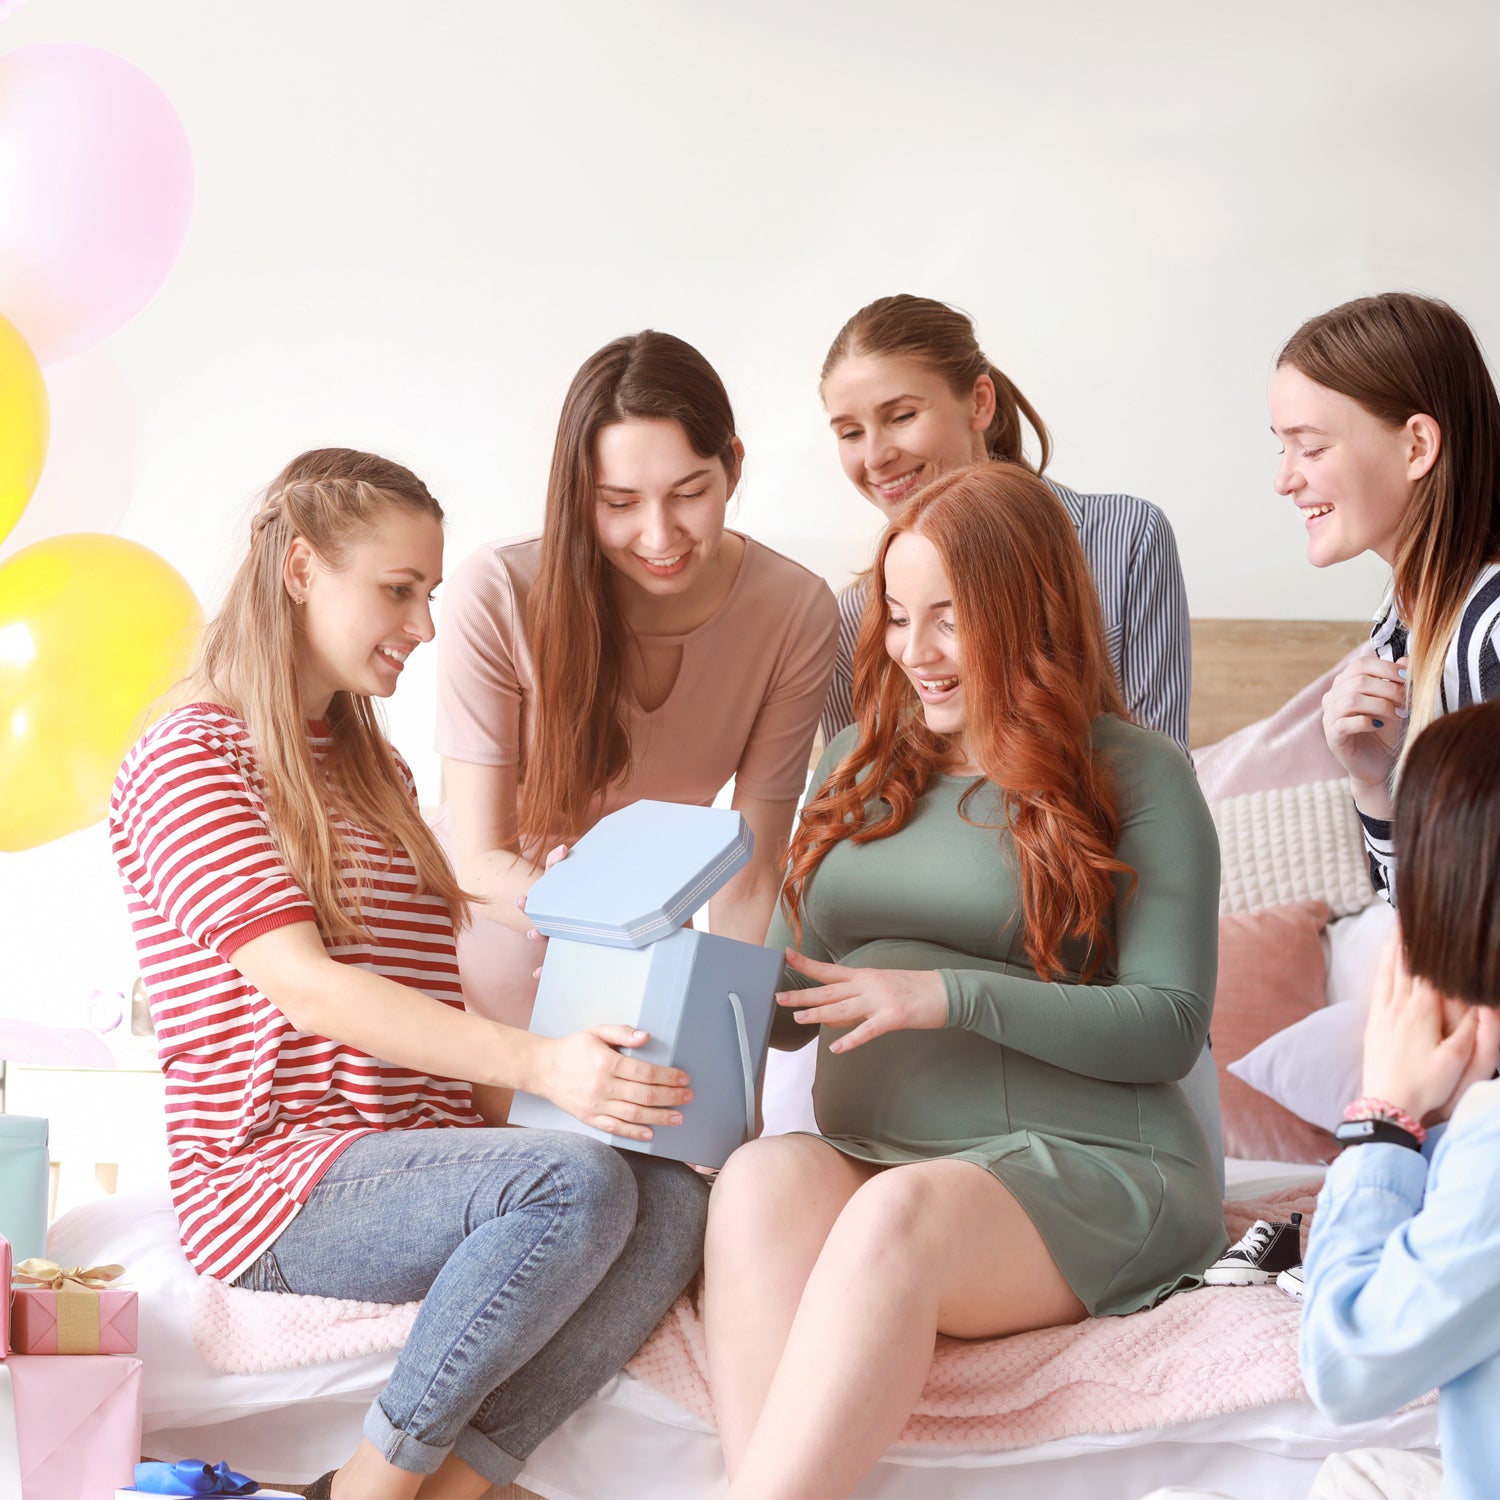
[(637, 648)]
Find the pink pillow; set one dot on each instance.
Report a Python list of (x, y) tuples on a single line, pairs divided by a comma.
[(1271, 974), (1314, 1067), (1286, 749)]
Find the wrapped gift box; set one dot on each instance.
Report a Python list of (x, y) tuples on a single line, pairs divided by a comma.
[(618, 954), (191, 1476), (25, 1172), (260, 1494), (73, 1322), (5, 1263), (77, 1421)]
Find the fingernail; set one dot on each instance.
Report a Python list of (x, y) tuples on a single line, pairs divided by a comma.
[(532, 933), (677, 1119), (1378, 723), (637, 1034), (1401, 673), (687, 1098), (799, 1015), (1403, 713)]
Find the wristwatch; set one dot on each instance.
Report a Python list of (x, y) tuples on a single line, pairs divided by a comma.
[(1369, 1132)]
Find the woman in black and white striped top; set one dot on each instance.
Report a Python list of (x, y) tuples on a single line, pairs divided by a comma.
[(910, 395), (1390, 431)]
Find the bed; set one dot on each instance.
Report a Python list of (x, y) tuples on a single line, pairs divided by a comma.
[(635, 1442)]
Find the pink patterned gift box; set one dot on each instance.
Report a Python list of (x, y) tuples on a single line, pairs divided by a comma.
[(73, 1322)]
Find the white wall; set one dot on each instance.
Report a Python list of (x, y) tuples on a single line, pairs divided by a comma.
[(414, 220)]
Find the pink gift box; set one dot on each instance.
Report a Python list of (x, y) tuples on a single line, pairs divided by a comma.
[(47, 1322), (4, 1296), (78, 1422)]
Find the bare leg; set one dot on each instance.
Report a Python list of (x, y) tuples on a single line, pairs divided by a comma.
[(929, 1248), (768, 1216)]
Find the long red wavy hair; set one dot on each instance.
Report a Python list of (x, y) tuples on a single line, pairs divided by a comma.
[(1036, 674)]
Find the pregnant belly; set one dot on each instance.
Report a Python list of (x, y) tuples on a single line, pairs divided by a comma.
[(950, 1089)]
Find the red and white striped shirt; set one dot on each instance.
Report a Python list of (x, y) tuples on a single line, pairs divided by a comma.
[(257, 1110)]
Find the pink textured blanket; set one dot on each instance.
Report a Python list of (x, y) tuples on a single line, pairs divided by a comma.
[(1199, 1354), (248, 1333)]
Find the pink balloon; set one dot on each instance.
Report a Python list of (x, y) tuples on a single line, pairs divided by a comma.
[(96, 192)]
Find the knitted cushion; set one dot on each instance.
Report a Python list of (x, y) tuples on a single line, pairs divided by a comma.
[(1296, 843)]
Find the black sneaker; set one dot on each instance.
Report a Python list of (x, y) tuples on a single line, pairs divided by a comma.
[(1263, 1251), (1292, 1282)]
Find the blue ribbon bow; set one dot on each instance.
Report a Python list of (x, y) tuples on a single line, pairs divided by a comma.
[(190, 1477)]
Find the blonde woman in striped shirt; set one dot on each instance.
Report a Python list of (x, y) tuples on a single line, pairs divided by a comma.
[(911, 395), (327, 1092), (1390, 433)]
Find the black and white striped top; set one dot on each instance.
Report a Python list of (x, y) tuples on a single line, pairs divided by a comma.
[(1133, 555), (1471, 674)]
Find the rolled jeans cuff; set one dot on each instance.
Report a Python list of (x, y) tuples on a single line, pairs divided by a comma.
[(485, 1458), (400, 1448)]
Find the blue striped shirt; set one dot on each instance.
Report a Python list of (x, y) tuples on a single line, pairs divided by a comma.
[(1133, 556), (1471, 674)]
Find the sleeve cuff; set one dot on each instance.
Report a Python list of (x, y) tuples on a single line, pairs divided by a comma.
[(1380, 1167), (1377, 828), (235, 938)]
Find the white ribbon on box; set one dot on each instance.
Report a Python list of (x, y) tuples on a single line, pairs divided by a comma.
[(10, 1439)]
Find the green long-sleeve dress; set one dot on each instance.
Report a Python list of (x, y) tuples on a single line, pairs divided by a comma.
[(1067, 1092)]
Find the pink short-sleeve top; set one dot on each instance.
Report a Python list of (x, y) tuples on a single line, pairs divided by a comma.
[(745, 703)]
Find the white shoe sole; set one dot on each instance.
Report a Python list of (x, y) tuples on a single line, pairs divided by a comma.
[(1236, 1276), (1293, 1286)]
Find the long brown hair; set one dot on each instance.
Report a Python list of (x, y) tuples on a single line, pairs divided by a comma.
[(1398, 355), (943, 339), (333, 498), (1037, 673), (1448, 855), (580, 642)]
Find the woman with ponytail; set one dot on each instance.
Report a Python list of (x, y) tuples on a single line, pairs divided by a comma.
[(910, 394), (326, 1089), (1001, 912), (1390, 432), (637, 648)]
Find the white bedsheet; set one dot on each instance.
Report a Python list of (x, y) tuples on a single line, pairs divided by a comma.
[(633, 1443)]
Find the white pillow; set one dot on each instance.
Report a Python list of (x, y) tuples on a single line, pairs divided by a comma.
[(1313, 1066), (1296, 843), (1354, 948)]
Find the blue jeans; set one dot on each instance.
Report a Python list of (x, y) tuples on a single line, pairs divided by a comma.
[(543, 1260)]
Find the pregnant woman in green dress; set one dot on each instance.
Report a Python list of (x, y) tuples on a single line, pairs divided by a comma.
[(1002, 905)]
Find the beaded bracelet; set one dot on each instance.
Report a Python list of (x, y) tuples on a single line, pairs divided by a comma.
[(1366, 1108)]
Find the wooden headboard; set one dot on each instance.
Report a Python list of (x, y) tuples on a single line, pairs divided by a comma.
[(1246, 669)]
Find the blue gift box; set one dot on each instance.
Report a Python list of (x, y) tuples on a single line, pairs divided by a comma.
[(25, 1173), (618, 954)]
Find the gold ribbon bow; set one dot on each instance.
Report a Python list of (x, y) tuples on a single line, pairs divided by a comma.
[(47, 1273)]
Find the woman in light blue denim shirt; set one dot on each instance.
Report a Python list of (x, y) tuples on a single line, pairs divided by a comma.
[(1403, 1268)]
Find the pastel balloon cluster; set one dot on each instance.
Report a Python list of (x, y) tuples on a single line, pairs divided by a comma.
[(96, 192)]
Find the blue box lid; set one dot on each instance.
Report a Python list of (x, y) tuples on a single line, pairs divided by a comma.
[(638, 874)]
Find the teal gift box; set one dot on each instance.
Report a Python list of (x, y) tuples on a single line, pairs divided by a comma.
[(24, 1175), (618, 953)]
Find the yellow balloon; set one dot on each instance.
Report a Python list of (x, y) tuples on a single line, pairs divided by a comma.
[(24, 425), (93, 630)]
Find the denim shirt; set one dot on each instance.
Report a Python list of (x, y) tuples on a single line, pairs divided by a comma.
[(1403, 1289)]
